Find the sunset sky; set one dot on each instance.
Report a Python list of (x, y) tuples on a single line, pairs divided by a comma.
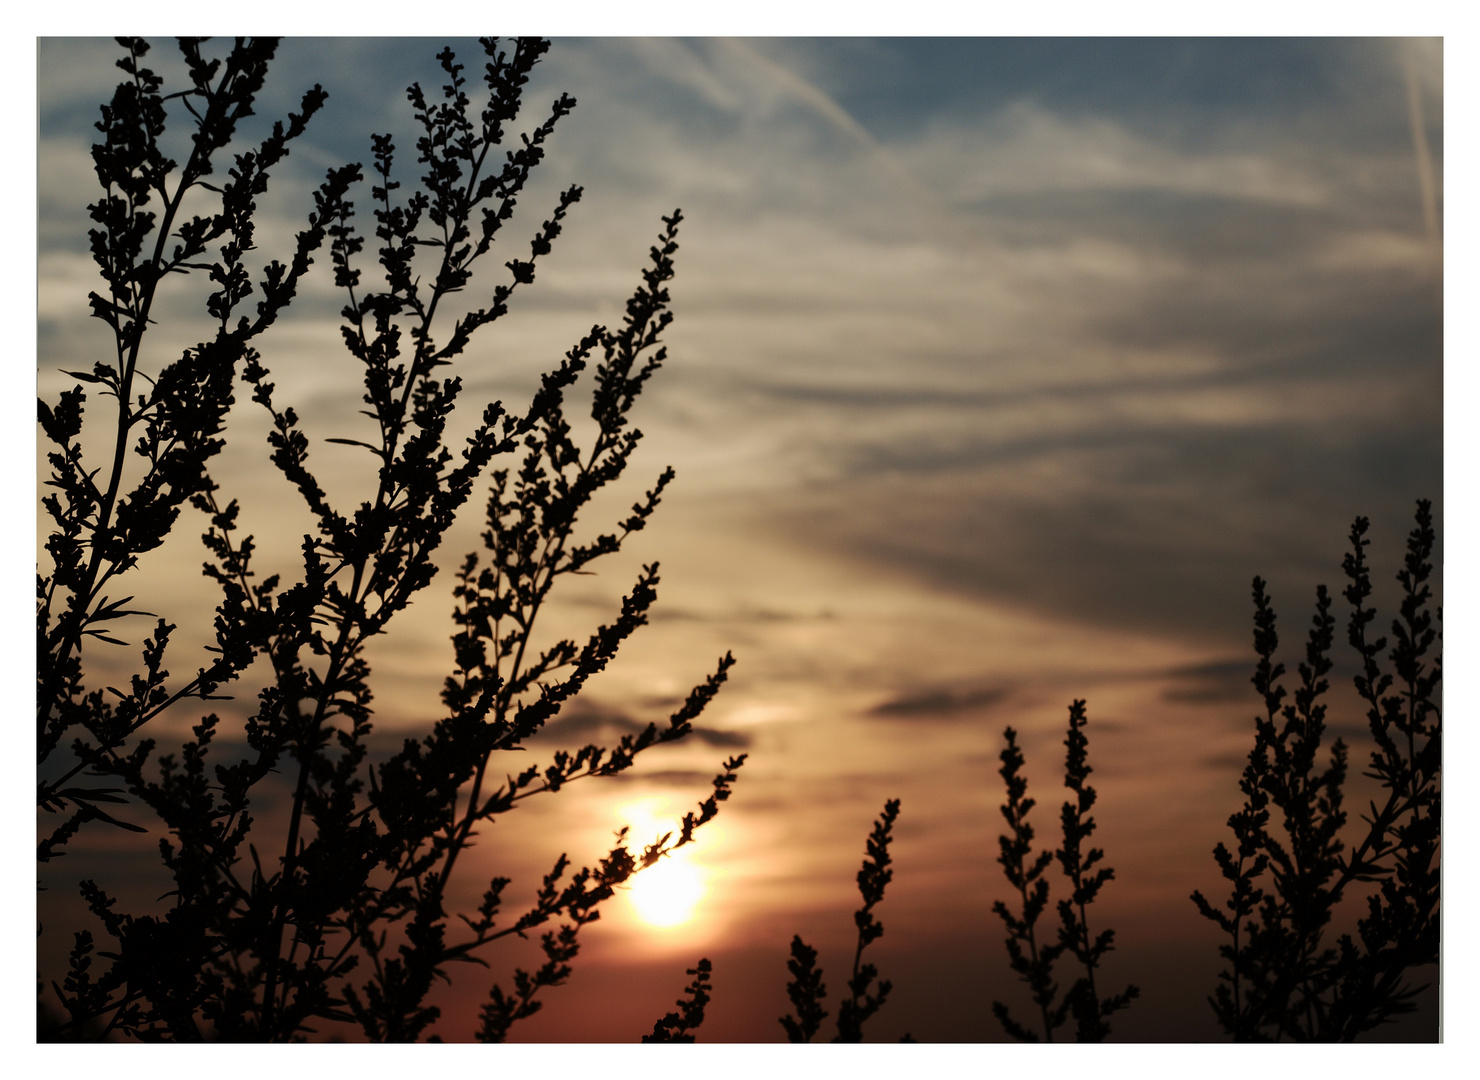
[(1000, 368)]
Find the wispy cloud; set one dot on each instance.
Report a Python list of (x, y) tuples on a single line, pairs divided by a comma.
[(941, 701)]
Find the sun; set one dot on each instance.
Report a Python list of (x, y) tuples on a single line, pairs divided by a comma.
[(666, 894)]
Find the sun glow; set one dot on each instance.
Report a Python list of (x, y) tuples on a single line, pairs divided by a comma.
[(666, 894)]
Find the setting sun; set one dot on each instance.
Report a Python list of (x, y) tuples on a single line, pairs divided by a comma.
[(665, 895)]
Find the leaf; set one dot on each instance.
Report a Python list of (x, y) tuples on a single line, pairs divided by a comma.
[(354, 442)]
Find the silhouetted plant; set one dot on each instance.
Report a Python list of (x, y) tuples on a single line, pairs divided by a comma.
[(1091, 1012), (806, 989), (677, 1027), (348, 924), (1284, 980), (1033, 961)]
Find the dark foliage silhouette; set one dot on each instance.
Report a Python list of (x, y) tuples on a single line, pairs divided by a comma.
[(1033, 960), (806, 990), (338, 914), (676, 1027), (1289, 870)]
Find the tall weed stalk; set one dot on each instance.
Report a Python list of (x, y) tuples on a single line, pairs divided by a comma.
[(1030, 958), (806, 990)]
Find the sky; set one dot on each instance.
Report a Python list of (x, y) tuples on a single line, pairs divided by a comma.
[(1000, 368)]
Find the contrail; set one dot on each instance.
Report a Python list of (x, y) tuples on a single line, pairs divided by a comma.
[(1428, 190), (944, 217)]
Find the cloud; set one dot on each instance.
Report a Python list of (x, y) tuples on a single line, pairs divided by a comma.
[(1141, 529), (587, 720), (1027, 149), (1010, 347), (730, 739), (683, 779), (938, 702), (1214, 681), (1164, 362)]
